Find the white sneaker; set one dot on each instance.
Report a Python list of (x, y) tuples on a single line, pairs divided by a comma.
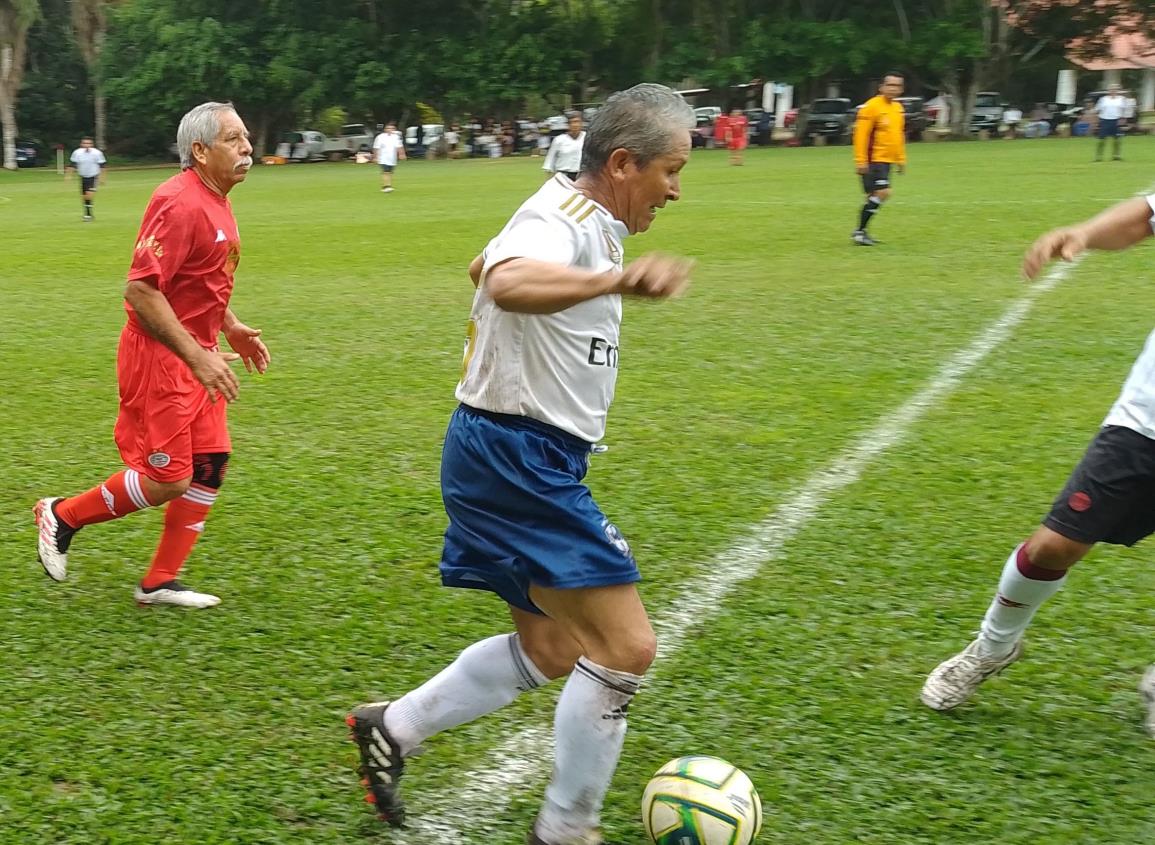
[(387, 190), (174, 593), (55, 536), (954, 681), (1147, 690)]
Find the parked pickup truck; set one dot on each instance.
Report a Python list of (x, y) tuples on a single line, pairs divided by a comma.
[(308, 145)]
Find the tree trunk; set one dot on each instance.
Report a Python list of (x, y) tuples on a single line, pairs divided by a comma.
[(656, 48), (8, 122), (11, 75), (99, 108)]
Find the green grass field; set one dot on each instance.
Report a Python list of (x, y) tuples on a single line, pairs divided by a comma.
[(128, 726)]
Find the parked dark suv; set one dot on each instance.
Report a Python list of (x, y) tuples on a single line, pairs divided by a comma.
[(915, 120), (26, 155), (833, 118)]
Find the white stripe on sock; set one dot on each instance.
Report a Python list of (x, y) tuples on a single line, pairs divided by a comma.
[(200, 496), (135, 491)]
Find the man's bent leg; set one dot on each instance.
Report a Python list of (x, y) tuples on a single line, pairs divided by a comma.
[(184, 521), (59, 519), (1034, 572), (485, 677), (618, 645)]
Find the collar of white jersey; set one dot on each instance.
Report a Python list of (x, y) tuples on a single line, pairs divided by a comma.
[(619, 229)]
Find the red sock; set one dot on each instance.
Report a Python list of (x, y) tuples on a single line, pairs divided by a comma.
[(184, 520), (121, 495)]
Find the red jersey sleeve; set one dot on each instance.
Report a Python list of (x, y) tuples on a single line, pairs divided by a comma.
[(166, 236)]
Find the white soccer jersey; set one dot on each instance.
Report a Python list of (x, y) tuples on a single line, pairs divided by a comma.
[(1135, 407), (87, 161), (565, 154), (557, 368), (1111, 107), (386, 145)]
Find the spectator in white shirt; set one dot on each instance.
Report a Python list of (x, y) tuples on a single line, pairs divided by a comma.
[(1012, 117), (1130, 111), (1110, 110), (389, 147), (565, 153)]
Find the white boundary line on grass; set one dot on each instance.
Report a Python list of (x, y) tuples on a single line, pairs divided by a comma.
[(526, 755)]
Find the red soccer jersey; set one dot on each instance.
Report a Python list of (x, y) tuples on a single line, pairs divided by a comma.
[(721, 128), (736, 128), (189, 248)]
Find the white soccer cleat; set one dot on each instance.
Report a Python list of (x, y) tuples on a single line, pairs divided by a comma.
[(955, 680), (174, 593), (52, 543), (1147, 690)]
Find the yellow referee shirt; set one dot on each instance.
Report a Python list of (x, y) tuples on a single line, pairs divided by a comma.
[(880, 133)]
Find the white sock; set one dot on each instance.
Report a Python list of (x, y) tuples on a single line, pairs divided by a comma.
[(1021, 593), (589, 727), (486, 676)]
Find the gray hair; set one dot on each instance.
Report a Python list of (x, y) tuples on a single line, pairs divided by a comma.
[(202, 123), (642, 120)]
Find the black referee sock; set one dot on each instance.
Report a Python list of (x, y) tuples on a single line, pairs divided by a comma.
[(873, 204), (88, 208)]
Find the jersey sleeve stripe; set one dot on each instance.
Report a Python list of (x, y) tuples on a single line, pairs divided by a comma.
[(587, 213)]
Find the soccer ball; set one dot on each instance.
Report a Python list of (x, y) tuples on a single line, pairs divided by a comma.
[(701, 801)]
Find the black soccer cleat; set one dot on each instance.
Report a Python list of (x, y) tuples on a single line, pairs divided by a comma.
[(381, 762), (862, 239)]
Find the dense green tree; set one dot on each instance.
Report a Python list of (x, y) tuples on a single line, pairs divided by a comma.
[(284, 62)]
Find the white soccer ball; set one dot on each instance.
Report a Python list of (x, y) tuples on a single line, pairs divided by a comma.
[(701, 801)]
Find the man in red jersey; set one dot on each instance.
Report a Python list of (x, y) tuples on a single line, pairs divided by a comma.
[(175, 383), (736, 127)]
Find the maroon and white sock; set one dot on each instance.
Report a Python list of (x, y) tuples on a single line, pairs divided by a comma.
[(1022, 590)]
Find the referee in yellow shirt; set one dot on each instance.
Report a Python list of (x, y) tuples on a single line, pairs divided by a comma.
[(879, 142)]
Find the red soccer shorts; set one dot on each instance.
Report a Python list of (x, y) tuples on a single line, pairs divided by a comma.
[(166, 415)]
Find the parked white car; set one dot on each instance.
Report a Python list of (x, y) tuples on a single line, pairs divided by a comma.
[(358, 137), (431, 135)]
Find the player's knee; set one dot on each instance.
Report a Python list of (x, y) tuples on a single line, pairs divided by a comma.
[(632, 653), (882, 195), (159, 492), (1051, 550), (209, 469)]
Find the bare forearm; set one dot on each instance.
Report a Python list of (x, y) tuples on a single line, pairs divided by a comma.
[(159, 320), (526, 286), (1119, 227)]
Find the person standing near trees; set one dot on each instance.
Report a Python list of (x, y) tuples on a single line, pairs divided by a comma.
[(389, 147)]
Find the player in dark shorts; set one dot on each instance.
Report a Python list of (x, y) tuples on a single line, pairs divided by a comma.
[(89, 163), (1109, 498), (879, 142)]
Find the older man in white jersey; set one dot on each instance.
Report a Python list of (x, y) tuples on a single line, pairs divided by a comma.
[(540, 367), (88, 162), (1108, 497), (1111, 110)]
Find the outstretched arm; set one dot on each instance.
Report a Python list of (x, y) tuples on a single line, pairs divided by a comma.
[(1119, 227)]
